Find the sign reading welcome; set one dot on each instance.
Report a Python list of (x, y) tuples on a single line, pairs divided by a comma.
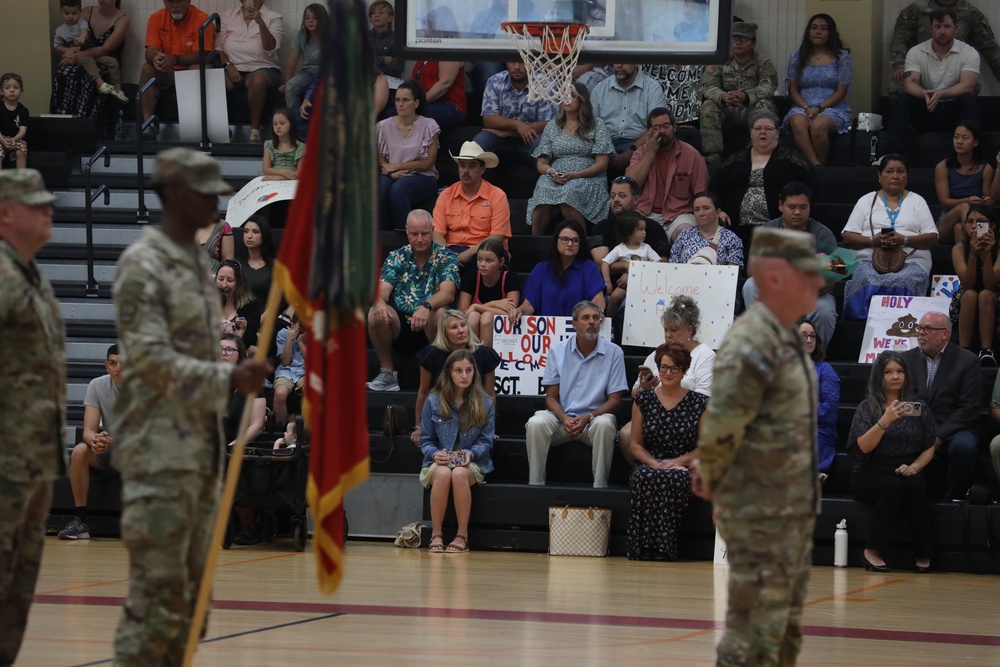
[(892, 323)]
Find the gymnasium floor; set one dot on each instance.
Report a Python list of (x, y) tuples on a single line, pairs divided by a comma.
[(408, 607)]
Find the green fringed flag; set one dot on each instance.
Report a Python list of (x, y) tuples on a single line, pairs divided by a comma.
[(328, 272)]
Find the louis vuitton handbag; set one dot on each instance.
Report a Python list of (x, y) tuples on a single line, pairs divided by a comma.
[(579, 531)]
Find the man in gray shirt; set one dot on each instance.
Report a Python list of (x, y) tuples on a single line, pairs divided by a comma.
[(93, 455), (794, 202)]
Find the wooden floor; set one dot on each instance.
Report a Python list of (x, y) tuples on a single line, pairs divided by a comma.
[(408, 607)]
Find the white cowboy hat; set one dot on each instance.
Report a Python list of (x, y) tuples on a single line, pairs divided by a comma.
[(473, 151)]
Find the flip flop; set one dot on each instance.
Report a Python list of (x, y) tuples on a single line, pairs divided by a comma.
[(452, 548), (436, 548)]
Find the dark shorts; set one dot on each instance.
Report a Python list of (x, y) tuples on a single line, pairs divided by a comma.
[(408, 339)]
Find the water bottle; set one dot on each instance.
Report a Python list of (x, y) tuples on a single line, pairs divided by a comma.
[(840, 545), (120, 127)]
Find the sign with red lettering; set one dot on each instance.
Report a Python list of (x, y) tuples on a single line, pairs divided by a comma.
[(523, 347), (653, 285), (892, 323)]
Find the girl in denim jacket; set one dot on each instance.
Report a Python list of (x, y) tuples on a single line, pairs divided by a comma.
[(456, 436)]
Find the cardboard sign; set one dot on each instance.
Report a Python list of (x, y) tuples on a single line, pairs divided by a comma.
[(652, 286), (523, 347), (255, 195), (946, 286), (188, 85), (892, 323)]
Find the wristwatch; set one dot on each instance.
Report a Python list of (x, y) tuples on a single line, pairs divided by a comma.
[(427, 305)]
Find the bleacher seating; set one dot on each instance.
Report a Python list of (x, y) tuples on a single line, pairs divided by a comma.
[(506, 512)]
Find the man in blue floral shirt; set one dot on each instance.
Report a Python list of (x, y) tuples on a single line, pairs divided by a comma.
[(512, 124), (418, 281)]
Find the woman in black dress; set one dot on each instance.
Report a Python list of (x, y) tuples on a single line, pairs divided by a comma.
[(664, 435)]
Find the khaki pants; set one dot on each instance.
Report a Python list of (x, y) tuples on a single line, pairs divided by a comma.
[(544, 430), (90, 66)]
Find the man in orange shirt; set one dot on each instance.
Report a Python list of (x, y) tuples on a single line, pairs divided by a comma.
[(472, 210), (171, 45)]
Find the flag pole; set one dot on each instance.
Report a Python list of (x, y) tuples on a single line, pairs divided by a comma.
[(225, 506)]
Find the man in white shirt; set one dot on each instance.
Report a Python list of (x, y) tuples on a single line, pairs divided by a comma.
[(940, 79)]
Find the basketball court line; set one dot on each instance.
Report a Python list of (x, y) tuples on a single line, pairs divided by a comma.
[(541, 617)]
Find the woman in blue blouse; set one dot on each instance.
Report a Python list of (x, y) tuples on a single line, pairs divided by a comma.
[(818, 79), (565, 279), (829, 398), (708, 242), (456, 436)]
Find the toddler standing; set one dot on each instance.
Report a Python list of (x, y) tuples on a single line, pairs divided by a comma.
[(631, 229), (13, 121)]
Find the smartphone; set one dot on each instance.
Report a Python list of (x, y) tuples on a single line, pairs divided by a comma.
[(982, 229), (913, 409), (888, 230), (644, 369)]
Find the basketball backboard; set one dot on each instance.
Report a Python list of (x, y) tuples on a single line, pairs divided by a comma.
[(627, 31)]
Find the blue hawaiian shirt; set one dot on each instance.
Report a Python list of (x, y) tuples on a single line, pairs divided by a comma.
[(411, 286), (501, 99), (690, 241)]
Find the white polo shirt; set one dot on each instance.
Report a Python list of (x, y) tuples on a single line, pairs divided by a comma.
[(940, 73)]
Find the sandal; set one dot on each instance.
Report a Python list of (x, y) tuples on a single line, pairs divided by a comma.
[(455, 549), (436, 548)]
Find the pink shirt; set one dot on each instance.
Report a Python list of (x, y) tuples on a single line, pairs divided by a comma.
[(396, 148), (674, 178), (241, 42)]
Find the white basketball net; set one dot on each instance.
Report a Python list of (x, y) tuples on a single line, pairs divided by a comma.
[(550, 75)]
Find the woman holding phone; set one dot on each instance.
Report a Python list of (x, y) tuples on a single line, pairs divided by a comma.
[(977, 264), (891, 442)]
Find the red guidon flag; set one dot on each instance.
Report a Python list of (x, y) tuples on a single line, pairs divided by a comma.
[(326, 267)]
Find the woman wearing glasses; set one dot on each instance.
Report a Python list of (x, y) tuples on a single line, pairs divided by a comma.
[(891, 442), (829, 398), (573, 156), (565, 279), (818, 79), (665, 423)]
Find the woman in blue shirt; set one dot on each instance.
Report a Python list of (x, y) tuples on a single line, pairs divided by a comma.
[(565, 279), (829, 398), (456, 436)]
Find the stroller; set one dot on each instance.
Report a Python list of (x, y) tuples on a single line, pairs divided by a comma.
[(272, 482)]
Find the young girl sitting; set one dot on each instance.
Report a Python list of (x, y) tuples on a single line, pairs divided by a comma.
[(456, 436), (978, 267), (631, 228), (962, 180), (488, 289), (305, 51), (282, 155)]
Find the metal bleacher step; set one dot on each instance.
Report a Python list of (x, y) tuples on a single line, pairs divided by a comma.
[(120, 200), (70, 271)]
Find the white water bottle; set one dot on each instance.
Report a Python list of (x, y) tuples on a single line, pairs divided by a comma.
[(840, 545)]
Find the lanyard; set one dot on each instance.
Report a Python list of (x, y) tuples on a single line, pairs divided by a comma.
[(892, 215)]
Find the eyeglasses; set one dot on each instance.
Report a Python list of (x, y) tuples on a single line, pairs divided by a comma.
[(569, 240), (927, 330), (673, 370), (231, 263), (739, 39), (625, 179), (229, 350), (809, 336)]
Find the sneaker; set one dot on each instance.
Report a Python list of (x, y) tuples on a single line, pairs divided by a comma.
[(75, 530), (384, 381), (151, 130), (246, 537), (119, 95), (986, 358), (255, 137)]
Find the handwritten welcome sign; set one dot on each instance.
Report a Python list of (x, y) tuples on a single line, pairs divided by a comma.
[(892, 323), (651, 287), (524, 346), (255, 195)]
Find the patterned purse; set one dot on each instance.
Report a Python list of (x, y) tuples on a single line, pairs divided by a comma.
[(579, 531)]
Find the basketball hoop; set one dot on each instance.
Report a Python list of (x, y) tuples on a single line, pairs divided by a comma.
[(550, 52)]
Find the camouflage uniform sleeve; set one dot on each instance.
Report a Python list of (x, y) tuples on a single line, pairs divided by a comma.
[(145, 333), (742, 374), (904, 36), (711, 84), (767, 82), (982, 39)]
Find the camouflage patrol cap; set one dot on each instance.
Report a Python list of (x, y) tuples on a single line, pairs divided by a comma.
[(25, 186), (748, 30), (797, 248), (189, 168)]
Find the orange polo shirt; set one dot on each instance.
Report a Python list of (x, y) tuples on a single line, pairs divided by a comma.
[(464, 221), (178, 39)]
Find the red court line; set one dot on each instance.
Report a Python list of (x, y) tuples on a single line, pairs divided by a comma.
[(541, 617)]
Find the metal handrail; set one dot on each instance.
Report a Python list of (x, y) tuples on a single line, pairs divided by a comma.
[(92, 287), (142, 214), (214, 18)]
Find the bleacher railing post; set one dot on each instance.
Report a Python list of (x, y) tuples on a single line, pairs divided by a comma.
[(92, 286), (142, 214), (214, 18)]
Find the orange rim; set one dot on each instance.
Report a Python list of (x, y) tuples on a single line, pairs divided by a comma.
[(552, 43)]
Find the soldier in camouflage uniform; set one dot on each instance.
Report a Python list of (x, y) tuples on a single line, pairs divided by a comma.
[(757, 454), (735, 91), (913, 26), (167, 421), (33, 400)]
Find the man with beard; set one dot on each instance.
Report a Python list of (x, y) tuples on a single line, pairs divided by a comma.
[(669, 172), (171, 46), (584, 383), (511, 124), (622, 102)]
